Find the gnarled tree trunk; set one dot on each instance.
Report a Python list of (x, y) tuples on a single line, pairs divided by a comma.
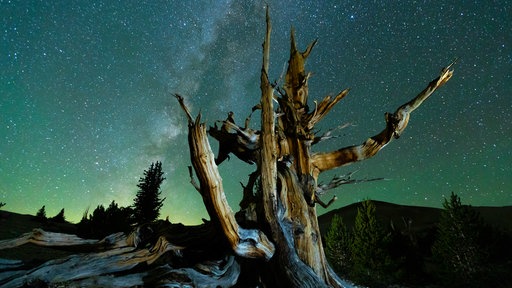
[(274, 240), (283, 207)]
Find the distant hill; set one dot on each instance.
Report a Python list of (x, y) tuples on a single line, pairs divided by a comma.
[(421, 218), (422, 222), (13, 225)]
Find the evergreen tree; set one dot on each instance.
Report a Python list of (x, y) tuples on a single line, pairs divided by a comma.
[(59, 218), (84, 226), (41, 214), (103, 222), (147, 203), (338, 242), (2, 204), (370, 256), (458, 250), (120, 216), (98, 217)]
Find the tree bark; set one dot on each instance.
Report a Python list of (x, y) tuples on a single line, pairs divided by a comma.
[(288, 169), (395, 125), (273, 241), (250, 243)]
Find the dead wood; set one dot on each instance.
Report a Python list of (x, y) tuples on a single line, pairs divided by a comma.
[(250, 243), (395, 125), (274, 240), (116, 260)]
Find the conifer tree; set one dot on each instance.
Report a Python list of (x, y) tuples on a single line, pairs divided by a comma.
[(84, 226), (105, 221), (457, 249), (147, 203), (60, 218), (338, 242), (121, 216), (41, 214), (370, 257)]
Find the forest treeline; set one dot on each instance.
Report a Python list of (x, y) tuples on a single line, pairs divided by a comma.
[(461, 251), (105, 221)]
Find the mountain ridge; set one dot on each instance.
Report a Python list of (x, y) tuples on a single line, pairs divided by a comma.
[(419, 217)]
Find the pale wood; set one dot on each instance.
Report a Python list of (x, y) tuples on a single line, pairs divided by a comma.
[(249, 243), (268, 163), (273, 241), (113, 261), (395, 125), (289, 263)]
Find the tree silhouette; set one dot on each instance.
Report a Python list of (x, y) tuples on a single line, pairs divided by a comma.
[(147, 203), (59, 218), (2, 204), (103, 222), (84, 226), (41, 214), (457, 248), (122, 217)]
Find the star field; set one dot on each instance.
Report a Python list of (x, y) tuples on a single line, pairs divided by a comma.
[(86, 96)]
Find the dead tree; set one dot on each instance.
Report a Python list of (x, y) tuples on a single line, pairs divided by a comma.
[(281, 212), (274, 239)]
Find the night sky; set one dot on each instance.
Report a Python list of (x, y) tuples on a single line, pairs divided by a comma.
[(86, 96)]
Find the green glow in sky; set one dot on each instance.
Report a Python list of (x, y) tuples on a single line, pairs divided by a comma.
[(86, 96)]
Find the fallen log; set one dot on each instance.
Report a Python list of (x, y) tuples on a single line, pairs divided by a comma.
[(121, 260)]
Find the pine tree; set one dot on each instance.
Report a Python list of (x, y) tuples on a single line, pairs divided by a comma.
[(147, 203), (41, 214), (457, 249), (98, 217), (370, 257), (120, 216), (103, 222), (338, 242), (59, 218), (84, 226)]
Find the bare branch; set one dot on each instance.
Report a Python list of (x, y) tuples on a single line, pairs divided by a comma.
[(322, 203), (328, 135), (243, 142), (323, 109), (193, 180), (248, 243), (184, 107), (337, 181), (395, 124)]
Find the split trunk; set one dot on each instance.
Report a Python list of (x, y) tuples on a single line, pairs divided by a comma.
[(274, 239)]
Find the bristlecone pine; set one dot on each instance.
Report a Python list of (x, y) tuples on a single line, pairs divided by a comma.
[(273, 241)]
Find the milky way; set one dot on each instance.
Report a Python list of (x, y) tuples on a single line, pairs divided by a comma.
[(86, 95)]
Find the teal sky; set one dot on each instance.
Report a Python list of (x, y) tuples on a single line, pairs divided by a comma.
[(86, 95)]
